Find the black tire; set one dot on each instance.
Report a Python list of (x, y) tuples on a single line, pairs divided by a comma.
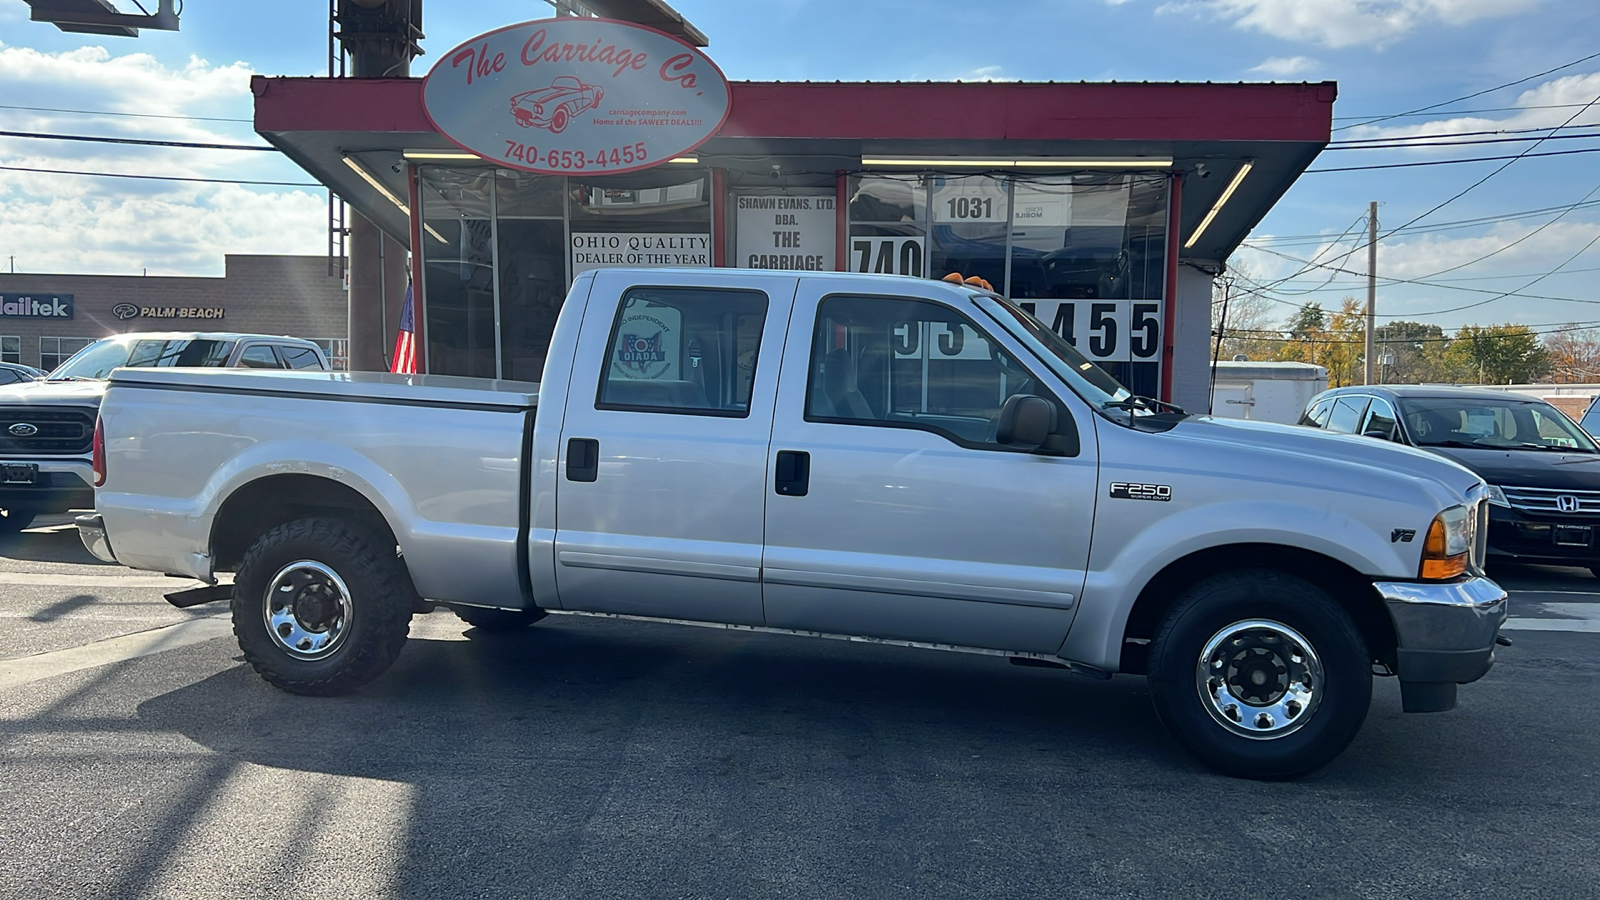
[(14, 520), (1269, 739), (498, 619), (360, 636)]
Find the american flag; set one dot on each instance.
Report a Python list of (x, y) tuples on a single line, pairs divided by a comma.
[(405, 343)]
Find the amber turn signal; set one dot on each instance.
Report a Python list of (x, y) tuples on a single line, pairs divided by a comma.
[(1438, 563)]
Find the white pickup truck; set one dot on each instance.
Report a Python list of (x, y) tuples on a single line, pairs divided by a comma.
[(874, 457)]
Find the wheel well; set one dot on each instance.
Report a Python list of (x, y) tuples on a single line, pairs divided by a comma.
[(1347, 586), (266, 503)]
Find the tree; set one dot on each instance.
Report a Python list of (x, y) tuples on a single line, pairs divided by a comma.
[(1495, 354), (1336, 343), (1249, 328), (1412, 349), (1308, 335), (1574, 354)]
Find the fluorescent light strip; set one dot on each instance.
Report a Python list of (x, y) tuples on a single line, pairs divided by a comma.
[(1217, 207), (1139, 162), (376, 184), (436, 235)]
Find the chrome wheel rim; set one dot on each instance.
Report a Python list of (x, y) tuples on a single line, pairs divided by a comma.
[(307, 609), (1259, 679)]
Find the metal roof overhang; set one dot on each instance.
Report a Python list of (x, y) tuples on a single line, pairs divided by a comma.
[(1278, 128)]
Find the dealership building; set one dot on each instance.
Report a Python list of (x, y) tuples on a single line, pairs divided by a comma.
[(46, 318), (538, 151)]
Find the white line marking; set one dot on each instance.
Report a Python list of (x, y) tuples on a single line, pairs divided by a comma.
[(15, 672), (1583, 618)]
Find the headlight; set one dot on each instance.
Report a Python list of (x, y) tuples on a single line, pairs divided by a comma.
[(1449, 543), (1497, 496)]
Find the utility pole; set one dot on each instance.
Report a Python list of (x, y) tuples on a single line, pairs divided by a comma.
[(1372, 281)]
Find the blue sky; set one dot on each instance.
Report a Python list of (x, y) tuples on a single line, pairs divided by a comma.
[(1388, 56)]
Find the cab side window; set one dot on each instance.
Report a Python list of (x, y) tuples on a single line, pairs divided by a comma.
[(297, 357), (683, 350), (1346, 414), (902, 363)]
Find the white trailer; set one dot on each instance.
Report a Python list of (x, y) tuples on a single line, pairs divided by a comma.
[(1266, 391)]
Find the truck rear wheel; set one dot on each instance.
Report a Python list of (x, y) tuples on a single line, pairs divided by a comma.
[(1260, 674), (14, 520), (321, 605), (498, 619)]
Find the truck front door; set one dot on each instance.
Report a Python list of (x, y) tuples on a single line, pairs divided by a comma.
[(894, 511), (663, 467)]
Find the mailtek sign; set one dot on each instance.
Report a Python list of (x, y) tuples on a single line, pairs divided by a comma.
[(36, 306), (576, 95)]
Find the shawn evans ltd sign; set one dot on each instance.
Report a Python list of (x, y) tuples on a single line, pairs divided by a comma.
[(36, 306), (574, 94)]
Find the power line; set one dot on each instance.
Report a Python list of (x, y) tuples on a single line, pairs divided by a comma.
[(1409, 144), (1286, 240), (1463, 112), (310, 184), (1514, 243), (1447, 162), (1497, 87), (95, 139), (95, 112)]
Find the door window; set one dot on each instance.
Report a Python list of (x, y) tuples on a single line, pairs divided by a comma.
[(902, 363), (259, 356), (1317, 415), (1346, 414), (683, 350), (1380, 421), (297, 357)]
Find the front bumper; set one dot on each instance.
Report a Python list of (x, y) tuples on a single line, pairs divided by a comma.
[(92, 531), (1445, 634), (1571, 539)]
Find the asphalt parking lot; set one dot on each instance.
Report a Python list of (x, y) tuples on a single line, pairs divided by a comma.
[(139, 757)]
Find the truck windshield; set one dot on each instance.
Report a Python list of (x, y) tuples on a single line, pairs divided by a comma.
[(95, 362), (1492, 424), (1085, 378)]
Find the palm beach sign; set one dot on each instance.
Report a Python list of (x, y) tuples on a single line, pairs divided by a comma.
[(576, 95)]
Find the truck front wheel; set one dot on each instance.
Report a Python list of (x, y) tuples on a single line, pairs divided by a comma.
[(1260, 674), (321, 605)]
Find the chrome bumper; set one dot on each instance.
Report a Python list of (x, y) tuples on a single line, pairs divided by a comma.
[(1445, 635), (92, 531)]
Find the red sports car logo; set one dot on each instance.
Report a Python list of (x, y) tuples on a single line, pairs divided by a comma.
[(553, 107)]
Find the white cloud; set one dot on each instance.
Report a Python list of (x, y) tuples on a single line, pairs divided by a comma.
[(81, 224), (1545, 106), (1344, 23), (984, 73), (1286, 66)]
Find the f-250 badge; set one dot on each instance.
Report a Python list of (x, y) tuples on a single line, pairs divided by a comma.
[(1122, 490)]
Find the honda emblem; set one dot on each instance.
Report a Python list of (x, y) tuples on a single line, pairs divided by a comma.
[(1567, 503)]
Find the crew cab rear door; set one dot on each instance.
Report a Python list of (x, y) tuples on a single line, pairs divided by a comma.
[(894, 512), (663, 471)]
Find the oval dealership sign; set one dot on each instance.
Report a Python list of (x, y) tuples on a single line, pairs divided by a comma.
[(576, 95)]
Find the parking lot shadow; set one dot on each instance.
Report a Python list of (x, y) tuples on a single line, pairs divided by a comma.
[(583, 758)]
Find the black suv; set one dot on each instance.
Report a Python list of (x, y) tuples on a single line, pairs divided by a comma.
[(1543, 470)]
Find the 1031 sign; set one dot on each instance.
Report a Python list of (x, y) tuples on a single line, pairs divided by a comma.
[(1104, 330)]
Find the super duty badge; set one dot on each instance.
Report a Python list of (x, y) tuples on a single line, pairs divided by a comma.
[(1123, 490)]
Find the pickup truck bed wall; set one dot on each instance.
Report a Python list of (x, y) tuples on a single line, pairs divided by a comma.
[(440, 457)]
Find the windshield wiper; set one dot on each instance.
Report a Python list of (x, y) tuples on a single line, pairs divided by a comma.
[(1552, 447), (1470, 445), (1148, 404), (70, 378)]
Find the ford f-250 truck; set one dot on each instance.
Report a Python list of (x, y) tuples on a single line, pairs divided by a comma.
[(876, 457)]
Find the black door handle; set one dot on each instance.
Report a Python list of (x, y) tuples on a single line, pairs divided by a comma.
[(583, 459), (793, 476)]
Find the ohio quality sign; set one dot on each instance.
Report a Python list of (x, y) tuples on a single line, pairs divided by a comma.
[(576, 95)]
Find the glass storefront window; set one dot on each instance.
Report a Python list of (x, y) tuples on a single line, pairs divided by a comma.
[(11, 349), (458, 270), (533, 269), (888, 225), (969, 226)]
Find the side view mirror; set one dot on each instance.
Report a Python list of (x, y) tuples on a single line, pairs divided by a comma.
[(1026, 421)]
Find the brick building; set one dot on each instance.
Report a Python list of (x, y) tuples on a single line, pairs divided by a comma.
[(46, 318)]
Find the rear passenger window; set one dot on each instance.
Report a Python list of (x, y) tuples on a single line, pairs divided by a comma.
[(259, 356), (299, 357), (685, 350), (1346, 414), (1317, 415)]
